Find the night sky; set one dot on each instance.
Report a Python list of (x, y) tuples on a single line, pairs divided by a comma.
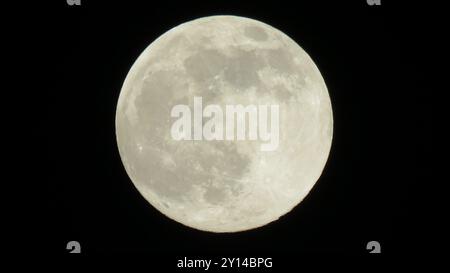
[(362, 195)]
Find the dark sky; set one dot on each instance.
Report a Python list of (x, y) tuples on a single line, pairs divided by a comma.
[(367, 59)]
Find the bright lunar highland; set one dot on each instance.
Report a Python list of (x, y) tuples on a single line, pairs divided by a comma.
[(224, 185)]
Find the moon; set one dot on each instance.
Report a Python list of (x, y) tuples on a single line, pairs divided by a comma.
[(220, 185)]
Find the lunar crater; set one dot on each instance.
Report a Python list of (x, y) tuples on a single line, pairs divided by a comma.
[(256, 33)]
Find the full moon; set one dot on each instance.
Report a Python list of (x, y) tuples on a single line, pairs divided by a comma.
[(226, 185)]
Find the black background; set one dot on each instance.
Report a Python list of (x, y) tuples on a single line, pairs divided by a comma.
[(362, 195)]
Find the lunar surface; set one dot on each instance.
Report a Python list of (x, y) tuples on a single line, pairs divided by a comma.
[(223, 185)]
